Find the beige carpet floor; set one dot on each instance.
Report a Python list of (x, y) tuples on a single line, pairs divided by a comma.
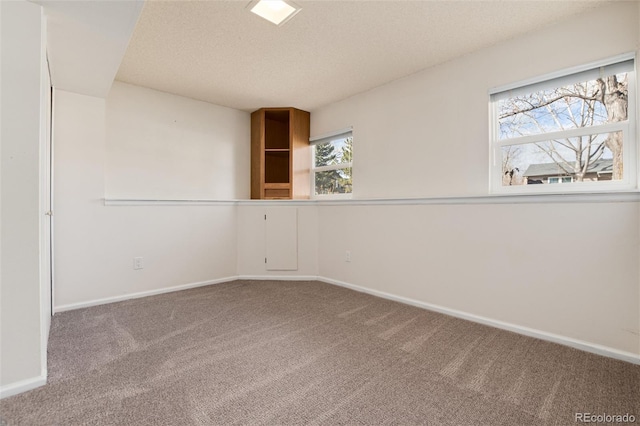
[(293, 353)]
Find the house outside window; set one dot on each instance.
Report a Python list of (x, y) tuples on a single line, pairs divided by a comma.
[(575, 128), (331, 172)]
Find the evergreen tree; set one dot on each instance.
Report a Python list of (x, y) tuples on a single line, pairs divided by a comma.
[(325, 155), (345, 174), (326, 181)]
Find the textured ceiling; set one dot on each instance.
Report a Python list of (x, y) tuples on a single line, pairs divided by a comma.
[(219, 52)]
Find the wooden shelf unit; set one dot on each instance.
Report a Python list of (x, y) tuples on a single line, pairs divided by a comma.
[(280, 153)]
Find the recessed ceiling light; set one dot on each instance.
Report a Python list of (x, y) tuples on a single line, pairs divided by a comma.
[(275, 11)]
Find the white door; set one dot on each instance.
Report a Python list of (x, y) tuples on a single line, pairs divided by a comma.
[(281, 228)]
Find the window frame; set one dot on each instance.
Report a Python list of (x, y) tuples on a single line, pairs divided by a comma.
[(560, 179), (326, 139), (628, 127)]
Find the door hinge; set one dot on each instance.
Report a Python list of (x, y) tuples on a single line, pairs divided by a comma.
[(265, 260), (265, 217)]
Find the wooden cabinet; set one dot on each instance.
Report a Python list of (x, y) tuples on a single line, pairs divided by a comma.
[(280, 153)]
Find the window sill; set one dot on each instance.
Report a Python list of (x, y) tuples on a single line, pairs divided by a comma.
[(590, 197)]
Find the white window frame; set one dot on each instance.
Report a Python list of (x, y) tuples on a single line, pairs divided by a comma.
[(561, 179), (630, 142), (324, 139)]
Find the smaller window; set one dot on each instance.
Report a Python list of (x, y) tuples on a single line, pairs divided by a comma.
[(332, 163)]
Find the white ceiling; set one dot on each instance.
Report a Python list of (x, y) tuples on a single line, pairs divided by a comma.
[(219, 52), (86, 41)]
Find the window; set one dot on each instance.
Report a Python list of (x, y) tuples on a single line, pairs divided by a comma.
[(575, 128), (563, 179), (331, 164)]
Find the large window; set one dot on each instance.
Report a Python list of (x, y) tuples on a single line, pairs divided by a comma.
[(332, 161), (575, 130)]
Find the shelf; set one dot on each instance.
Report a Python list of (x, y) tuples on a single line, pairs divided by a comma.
[(280, 153), (276, 167), (276, 128), (277, 191)]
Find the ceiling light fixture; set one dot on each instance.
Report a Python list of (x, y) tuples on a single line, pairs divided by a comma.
[(275, 11)]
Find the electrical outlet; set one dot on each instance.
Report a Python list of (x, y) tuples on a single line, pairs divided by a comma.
[(137, 263), (347, 256)]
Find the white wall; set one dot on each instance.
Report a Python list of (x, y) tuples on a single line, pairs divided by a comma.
[(568, 269), (96, 244), (162, 146), (427, 134), (131, 143), (22, 365)]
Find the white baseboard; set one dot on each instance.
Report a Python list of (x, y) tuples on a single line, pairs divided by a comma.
[(120, 298), (539, 334), (106, 300), (543, 335), (23, 386), (280, 277)]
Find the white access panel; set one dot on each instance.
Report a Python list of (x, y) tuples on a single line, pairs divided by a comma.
[(281, 231)]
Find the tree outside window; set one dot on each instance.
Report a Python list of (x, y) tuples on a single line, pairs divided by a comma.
[(571, 128), (332, 166)]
